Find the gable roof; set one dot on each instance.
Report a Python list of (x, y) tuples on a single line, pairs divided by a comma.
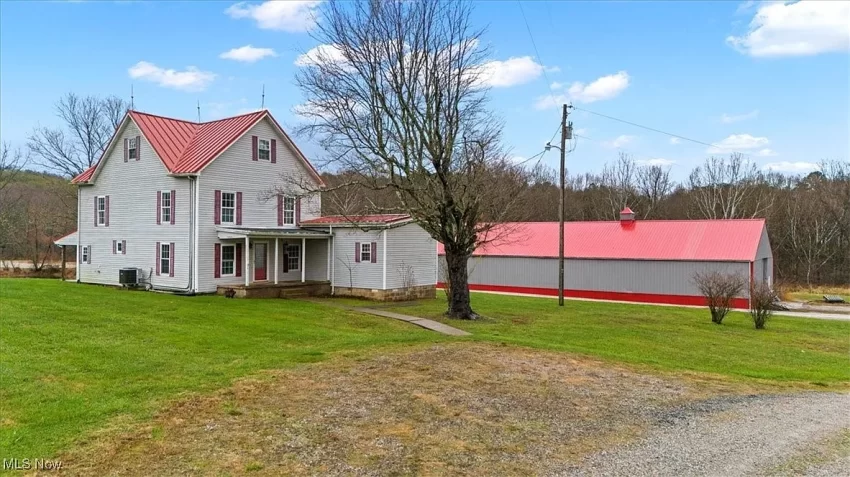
[(186, 147), (697, 240)]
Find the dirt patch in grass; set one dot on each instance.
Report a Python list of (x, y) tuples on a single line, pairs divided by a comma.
[(474, 409)]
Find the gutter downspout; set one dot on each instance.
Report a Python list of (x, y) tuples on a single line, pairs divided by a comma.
[(384, 261), (333, 259), (189, 288), (196, 240), (79, 234)]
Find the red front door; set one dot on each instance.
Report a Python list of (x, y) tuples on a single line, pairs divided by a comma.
[(260, 259)]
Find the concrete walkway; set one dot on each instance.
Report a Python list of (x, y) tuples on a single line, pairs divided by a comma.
[(423, 322)]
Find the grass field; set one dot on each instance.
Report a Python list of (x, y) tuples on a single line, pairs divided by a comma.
[(816, 294), (671, 338), (79, 358), (74, 358)]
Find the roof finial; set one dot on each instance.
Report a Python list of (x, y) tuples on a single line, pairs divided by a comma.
[(263, 101), (132, 104), (199, 110)]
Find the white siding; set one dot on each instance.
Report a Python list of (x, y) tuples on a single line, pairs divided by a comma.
[(131, 187), (763, 266), (317, 259), (234, 171), (347, 272), (411, 257)]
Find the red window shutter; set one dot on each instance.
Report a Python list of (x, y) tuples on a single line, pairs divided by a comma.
[(158, 207), (279, 210), (173, 259), (255, 155), (356, 252), (238, 208), (126, 149), (123, 247), (173, 195), (114, 247), (95, 211), (217, 212), (374, 253), (106, 211), (138, 147), (298, 212), (274, 151), (157, 259), (239, 258), (217, 255)]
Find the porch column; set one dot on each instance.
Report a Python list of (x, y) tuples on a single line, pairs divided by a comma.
[(276, 242), (330, 260), (247, 254), (63, 263), (303, 258)]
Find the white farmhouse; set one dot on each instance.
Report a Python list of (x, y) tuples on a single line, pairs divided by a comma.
[(185, 207)]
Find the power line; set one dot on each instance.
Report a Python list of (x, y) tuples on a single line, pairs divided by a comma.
[(537, 53)]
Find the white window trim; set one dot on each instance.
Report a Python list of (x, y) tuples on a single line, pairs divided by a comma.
[(366, 247), (162, 246), (163, 208), (132, 147), (101, 199), (119, 247), (268, 149), (221, 265), (221, 208), (85, 254), (289, 257), (285, 210)]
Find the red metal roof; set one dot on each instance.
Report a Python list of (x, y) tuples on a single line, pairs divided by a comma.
[(700, 240), (186, 147), (358, 220)]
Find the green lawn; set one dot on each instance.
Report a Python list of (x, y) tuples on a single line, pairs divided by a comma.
[(670, 338), (74, 358)]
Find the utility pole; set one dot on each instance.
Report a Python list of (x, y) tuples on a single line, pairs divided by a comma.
[(566, 133)]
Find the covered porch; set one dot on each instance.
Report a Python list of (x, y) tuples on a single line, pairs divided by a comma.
[(274, 262)]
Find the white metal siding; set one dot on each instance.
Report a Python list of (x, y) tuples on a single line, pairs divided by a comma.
[(764, 259), (132, 187), (348, 272), (412, 253), (234, 171), (317, 260)]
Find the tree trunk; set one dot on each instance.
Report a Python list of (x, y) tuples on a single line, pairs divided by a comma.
[(456, 265)]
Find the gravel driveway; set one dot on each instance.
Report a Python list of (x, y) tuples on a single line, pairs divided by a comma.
[(758, 435)]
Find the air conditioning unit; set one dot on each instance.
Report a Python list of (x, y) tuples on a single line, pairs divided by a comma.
[(128, 277)]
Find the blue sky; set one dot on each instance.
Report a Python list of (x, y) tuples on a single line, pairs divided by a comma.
[(771, 80)]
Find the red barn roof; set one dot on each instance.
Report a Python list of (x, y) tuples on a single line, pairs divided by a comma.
[(187, 147), (698, 240)]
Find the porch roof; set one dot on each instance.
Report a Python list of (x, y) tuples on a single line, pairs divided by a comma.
[(239, 232)]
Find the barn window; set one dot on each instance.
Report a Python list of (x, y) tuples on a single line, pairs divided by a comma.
[(365, 252)]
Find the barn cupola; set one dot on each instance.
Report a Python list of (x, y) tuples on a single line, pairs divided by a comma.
[(627, 216)]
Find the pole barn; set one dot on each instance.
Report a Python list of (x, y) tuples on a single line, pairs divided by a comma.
[(648, 261)]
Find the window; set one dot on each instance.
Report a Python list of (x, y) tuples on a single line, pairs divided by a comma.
[(132, 151), (85, 255), (165, 207), (289, 210), (101, 210), (165, 259), (228, 207), (293, 255), (228, 260), (365, 252), (264, 149), (119, 246)]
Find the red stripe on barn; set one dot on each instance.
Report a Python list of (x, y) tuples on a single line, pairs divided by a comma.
[(740, 303)]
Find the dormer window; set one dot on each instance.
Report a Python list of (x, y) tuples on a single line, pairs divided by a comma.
[(132, 148), (264, 149)]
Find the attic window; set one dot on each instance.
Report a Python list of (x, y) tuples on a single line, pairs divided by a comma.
[(264, 150), (131, 148)]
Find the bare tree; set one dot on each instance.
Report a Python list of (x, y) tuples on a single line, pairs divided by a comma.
[(729, 189), (11, 163), (618, 180), (653, 186), (812, 235), (719, 290), (396, 96), (88, 124), (761, 304)]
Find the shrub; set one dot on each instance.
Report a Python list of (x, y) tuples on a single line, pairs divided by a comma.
[(761, 304), (719, 290)]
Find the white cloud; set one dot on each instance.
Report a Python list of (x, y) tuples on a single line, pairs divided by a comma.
[(603, 88), (320, 54), (293, 16), (734, 118), (796, 29), (766, 152), (675, 140), (793, 167), (511, 72), (737, 143), (191, 79), (247, 54), (556, 85), (619, 141), (658, 161), (581, 131)]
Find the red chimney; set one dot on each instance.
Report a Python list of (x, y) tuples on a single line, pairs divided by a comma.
[(627, 216)]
